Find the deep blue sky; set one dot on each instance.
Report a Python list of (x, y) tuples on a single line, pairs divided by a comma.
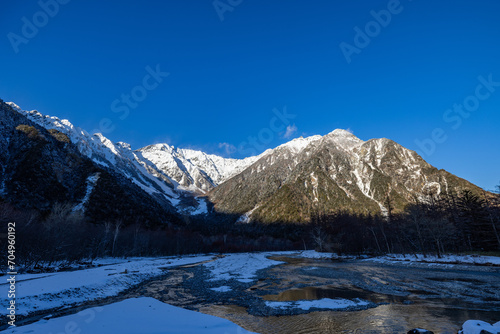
[(227, 76)]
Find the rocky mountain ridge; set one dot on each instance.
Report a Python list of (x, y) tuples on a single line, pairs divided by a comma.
[(305, 176), (42, 169), (335, 172)]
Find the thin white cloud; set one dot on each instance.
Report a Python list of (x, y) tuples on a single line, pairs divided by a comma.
[(290, 131), (228, 148)]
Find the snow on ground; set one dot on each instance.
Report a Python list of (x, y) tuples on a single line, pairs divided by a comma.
[(312, 254), (325, 303), (201, 208), (132, 316), (244, 266), (478, 326), (36, 292), (65, 266), (241, 266), (419, 330), (223, 288), (444, 259)]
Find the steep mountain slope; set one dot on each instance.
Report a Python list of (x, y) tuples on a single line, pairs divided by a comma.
[(193, 170), (200, 172), (166, 173), (335, 172), (118, 157), (40, 167), (318, 174)]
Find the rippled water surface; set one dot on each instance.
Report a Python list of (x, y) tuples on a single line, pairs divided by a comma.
[(392, 318), (400, 296), (437, 298)]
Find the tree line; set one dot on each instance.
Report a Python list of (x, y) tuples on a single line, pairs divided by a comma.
[(64, 238), (465, 222)]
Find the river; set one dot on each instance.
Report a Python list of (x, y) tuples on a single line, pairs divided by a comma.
[(401, 296)]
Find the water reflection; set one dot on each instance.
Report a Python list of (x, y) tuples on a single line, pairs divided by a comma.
[(384, 319), (345, 292), (438, 299)]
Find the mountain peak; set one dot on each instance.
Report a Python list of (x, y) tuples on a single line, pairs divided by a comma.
[(13, 106), (326, 173), (298, 144), (123, 145), (341, 132), (343, 139)]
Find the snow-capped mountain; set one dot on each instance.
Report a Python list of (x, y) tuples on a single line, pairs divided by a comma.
[(334, 172), (324, 174), (117, 156), (200, 172), (193, 170), (41, 169)]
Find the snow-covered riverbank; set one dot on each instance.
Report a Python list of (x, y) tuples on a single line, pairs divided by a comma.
[(226, 275), (38, 292), (133, 316), (450, 259)]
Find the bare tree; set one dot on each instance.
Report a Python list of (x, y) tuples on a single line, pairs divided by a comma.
[(118, 225), (319, 237), (372, 229)]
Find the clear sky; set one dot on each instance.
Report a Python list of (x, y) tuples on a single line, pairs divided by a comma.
[(379, 68)]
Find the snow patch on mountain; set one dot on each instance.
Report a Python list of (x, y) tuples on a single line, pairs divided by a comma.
[(298, 144), (91, 183), (343, 139), (246, 217), (314, 183), (201, 207), (168, 173), (118, 157), (193, 170)]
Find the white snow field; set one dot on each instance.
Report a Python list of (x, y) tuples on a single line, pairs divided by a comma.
[(478, 327), (133, 316), (223, 288), (240, 266), (244, 266), (444, 259), (38, 292), (43, 292)]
